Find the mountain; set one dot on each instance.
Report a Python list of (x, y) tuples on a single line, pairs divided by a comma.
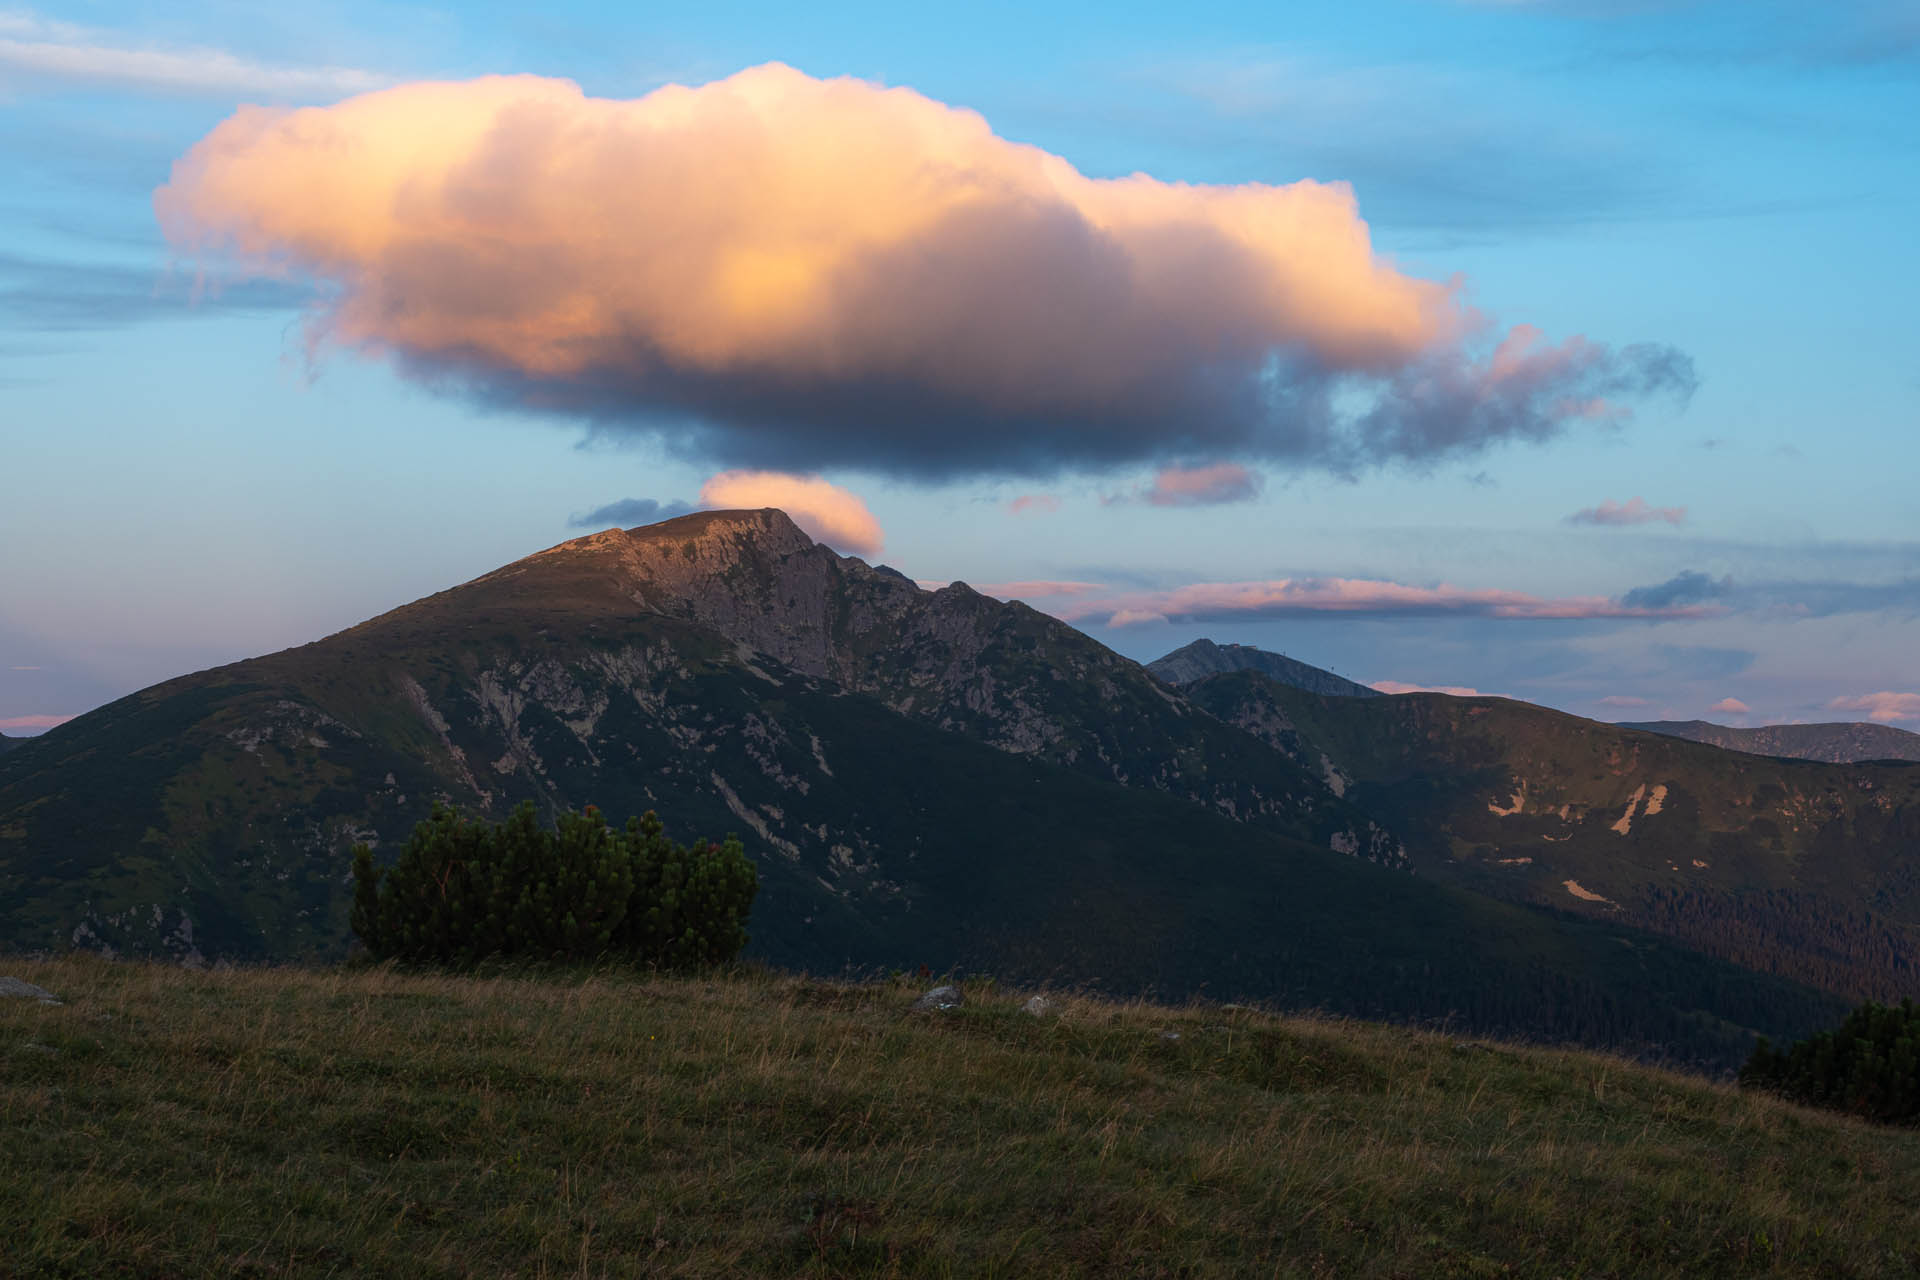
[(7, 744), (1204, 658), (721, 667), (1844, 743), (1807, 870), (923, 777)]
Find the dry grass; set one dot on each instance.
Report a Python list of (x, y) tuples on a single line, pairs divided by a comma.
[(294, 1122)]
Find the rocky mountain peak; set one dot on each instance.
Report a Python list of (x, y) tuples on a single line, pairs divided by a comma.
[(1204, 658), (764, 531)]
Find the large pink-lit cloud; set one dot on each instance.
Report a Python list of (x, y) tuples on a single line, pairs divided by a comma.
[(1884, 707), (783, 271), (826, 511), (1298, 597), (1632, 511), (1732, 707)]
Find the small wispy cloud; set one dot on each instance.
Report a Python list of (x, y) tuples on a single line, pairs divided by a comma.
[(1731, 706), (34, 723), (1208, 486), (1632, 511), (1687, 588), (1035, 589), (39, 47), (1034, 504), (1883, 707), (628, 512), (1363, 597), (1622, 700), (1451, 690)]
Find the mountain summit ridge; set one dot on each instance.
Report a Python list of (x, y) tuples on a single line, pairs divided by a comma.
[(1195, 662), (1840, 742)]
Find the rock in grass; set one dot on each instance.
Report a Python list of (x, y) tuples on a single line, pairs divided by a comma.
[(941, 999), (1039, 1006), (27, 991)]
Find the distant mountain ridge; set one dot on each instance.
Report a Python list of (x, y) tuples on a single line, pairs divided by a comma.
[(1203, 658), (7, 744), (1846, 742), (1788, 866)]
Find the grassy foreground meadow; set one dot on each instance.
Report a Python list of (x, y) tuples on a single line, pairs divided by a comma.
[(268, 1122)]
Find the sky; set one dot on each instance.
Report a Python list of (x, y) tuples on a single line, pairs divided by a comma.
[(1555, 349)]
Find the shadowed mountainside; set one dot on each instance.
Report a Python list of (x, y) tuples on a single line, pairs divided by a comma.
[(1847, 742)]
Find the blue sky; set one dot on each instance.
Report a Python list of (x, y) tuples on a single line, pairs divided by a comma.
[(1736, 183)]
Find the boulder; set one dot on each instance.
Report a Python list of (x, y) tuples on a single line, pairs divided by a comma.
[(941, 999), (1040, 1006), (27, 991)]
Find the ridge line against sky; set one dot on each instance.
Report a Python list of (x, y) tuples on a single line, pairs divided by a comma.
[(1727, 181)]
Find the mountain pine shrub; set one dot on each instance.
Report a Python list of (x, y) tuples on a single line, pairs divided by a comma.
[(1869, 1065), (464, 891)]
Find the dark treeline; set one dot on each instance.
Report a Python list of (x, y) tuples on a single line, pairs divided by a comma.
[(1795, 934)]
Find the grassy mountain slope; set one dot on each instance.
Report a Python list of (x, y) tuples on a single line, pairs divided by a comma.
[(287, 1122), (1848, 742), (1803, 869), (1204, 658), (7, 744)]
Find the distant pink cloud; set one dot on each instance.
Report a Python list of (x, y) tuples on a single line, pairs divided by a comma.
[(1286, 597), (1034, 503), (826, 511), (1451, 690), (1884, 707), (1731, 706), (1632, 511), (1622, 700), (1200, 486), (1035, 589), (32, 722)]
